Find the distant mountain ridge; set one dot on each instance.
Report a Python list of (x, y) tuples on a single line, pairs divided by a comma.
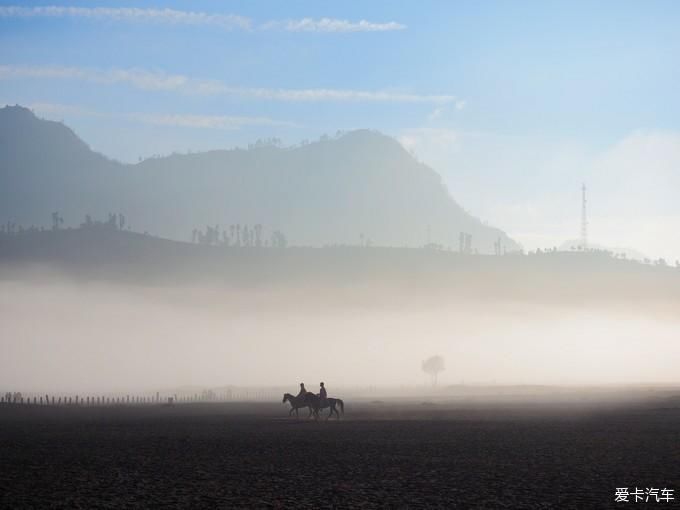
[(361, 185)]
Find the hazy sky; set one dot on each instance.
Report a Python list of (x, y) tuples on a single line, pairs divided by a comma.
[(514, 103)]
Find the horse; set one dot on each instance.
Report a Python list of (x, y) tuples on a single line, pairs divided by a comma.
[(315, 403), (296, 403)]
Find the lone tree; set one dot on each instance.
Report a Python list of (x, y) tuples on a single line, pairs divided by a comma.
[(432, 366)]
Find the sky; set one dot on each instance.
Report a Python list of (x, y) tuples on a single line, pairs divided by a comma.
[(515, 104)]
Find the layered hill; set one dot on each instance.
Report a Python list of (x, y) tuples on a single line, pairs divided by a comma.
[(373, 276), (362, 185)]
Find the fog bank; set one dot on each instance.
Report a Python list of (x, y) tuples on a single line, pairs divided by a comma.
[(64, 336)]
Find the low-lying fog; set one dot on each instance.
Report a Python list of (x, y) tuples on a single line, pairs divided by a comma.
[(63, 336)]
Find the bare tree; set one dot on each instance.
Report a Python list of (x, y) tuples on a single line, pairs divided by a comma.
[(278, 240), (57, 221), (432, 366)]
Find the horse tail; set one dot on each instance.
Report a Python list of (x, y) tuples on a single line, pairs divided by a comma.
[(342, 405)]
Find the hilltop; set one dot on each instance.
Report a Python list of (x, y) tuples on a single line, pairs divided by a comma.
[(361, 187)]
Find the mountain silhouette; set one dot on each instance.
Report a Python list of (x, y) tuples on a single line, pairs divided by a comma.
[(360, 185)]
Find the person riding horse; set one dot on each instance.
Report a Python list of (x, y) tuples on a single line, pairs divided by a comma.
[(323, 401), (303, 391), (314, 402), (298, 401), (323, 395)]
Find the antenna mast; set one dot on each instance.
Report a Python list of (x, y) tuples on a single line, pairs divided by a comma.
[(584, 219)]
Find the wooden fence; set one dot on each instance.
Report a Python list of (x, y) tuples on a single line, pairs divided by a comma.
[(167, 398)]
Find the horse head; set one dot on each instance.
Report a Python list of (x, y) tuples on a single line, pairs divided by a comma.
[(287, 396)]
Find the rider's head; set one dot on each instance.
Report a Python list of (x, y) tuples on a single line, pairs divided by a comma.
[(302, 385), (321, 384)]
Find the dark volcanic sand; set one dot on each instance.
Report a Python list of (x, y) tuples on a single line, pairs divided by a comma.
[(247, 455)]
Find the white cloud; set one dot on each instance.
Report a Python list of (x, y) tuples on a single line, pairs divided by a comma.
[(333, 25), (440, 111), (341, 95), (130, 14), (204, 121), (160, 81), (138, 78), (178, 17), (160, 119)]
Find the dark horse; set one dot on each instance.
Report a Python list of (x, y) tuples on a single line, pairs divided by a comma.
[(296, 403), (315, 403)]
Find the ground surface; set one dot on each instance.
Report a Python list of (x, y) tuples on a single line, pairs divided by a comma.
[(380, 454)]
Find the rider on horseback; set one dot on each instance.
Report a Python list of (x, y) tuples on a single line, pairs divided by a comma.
[(323, 395), (314, 402)]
